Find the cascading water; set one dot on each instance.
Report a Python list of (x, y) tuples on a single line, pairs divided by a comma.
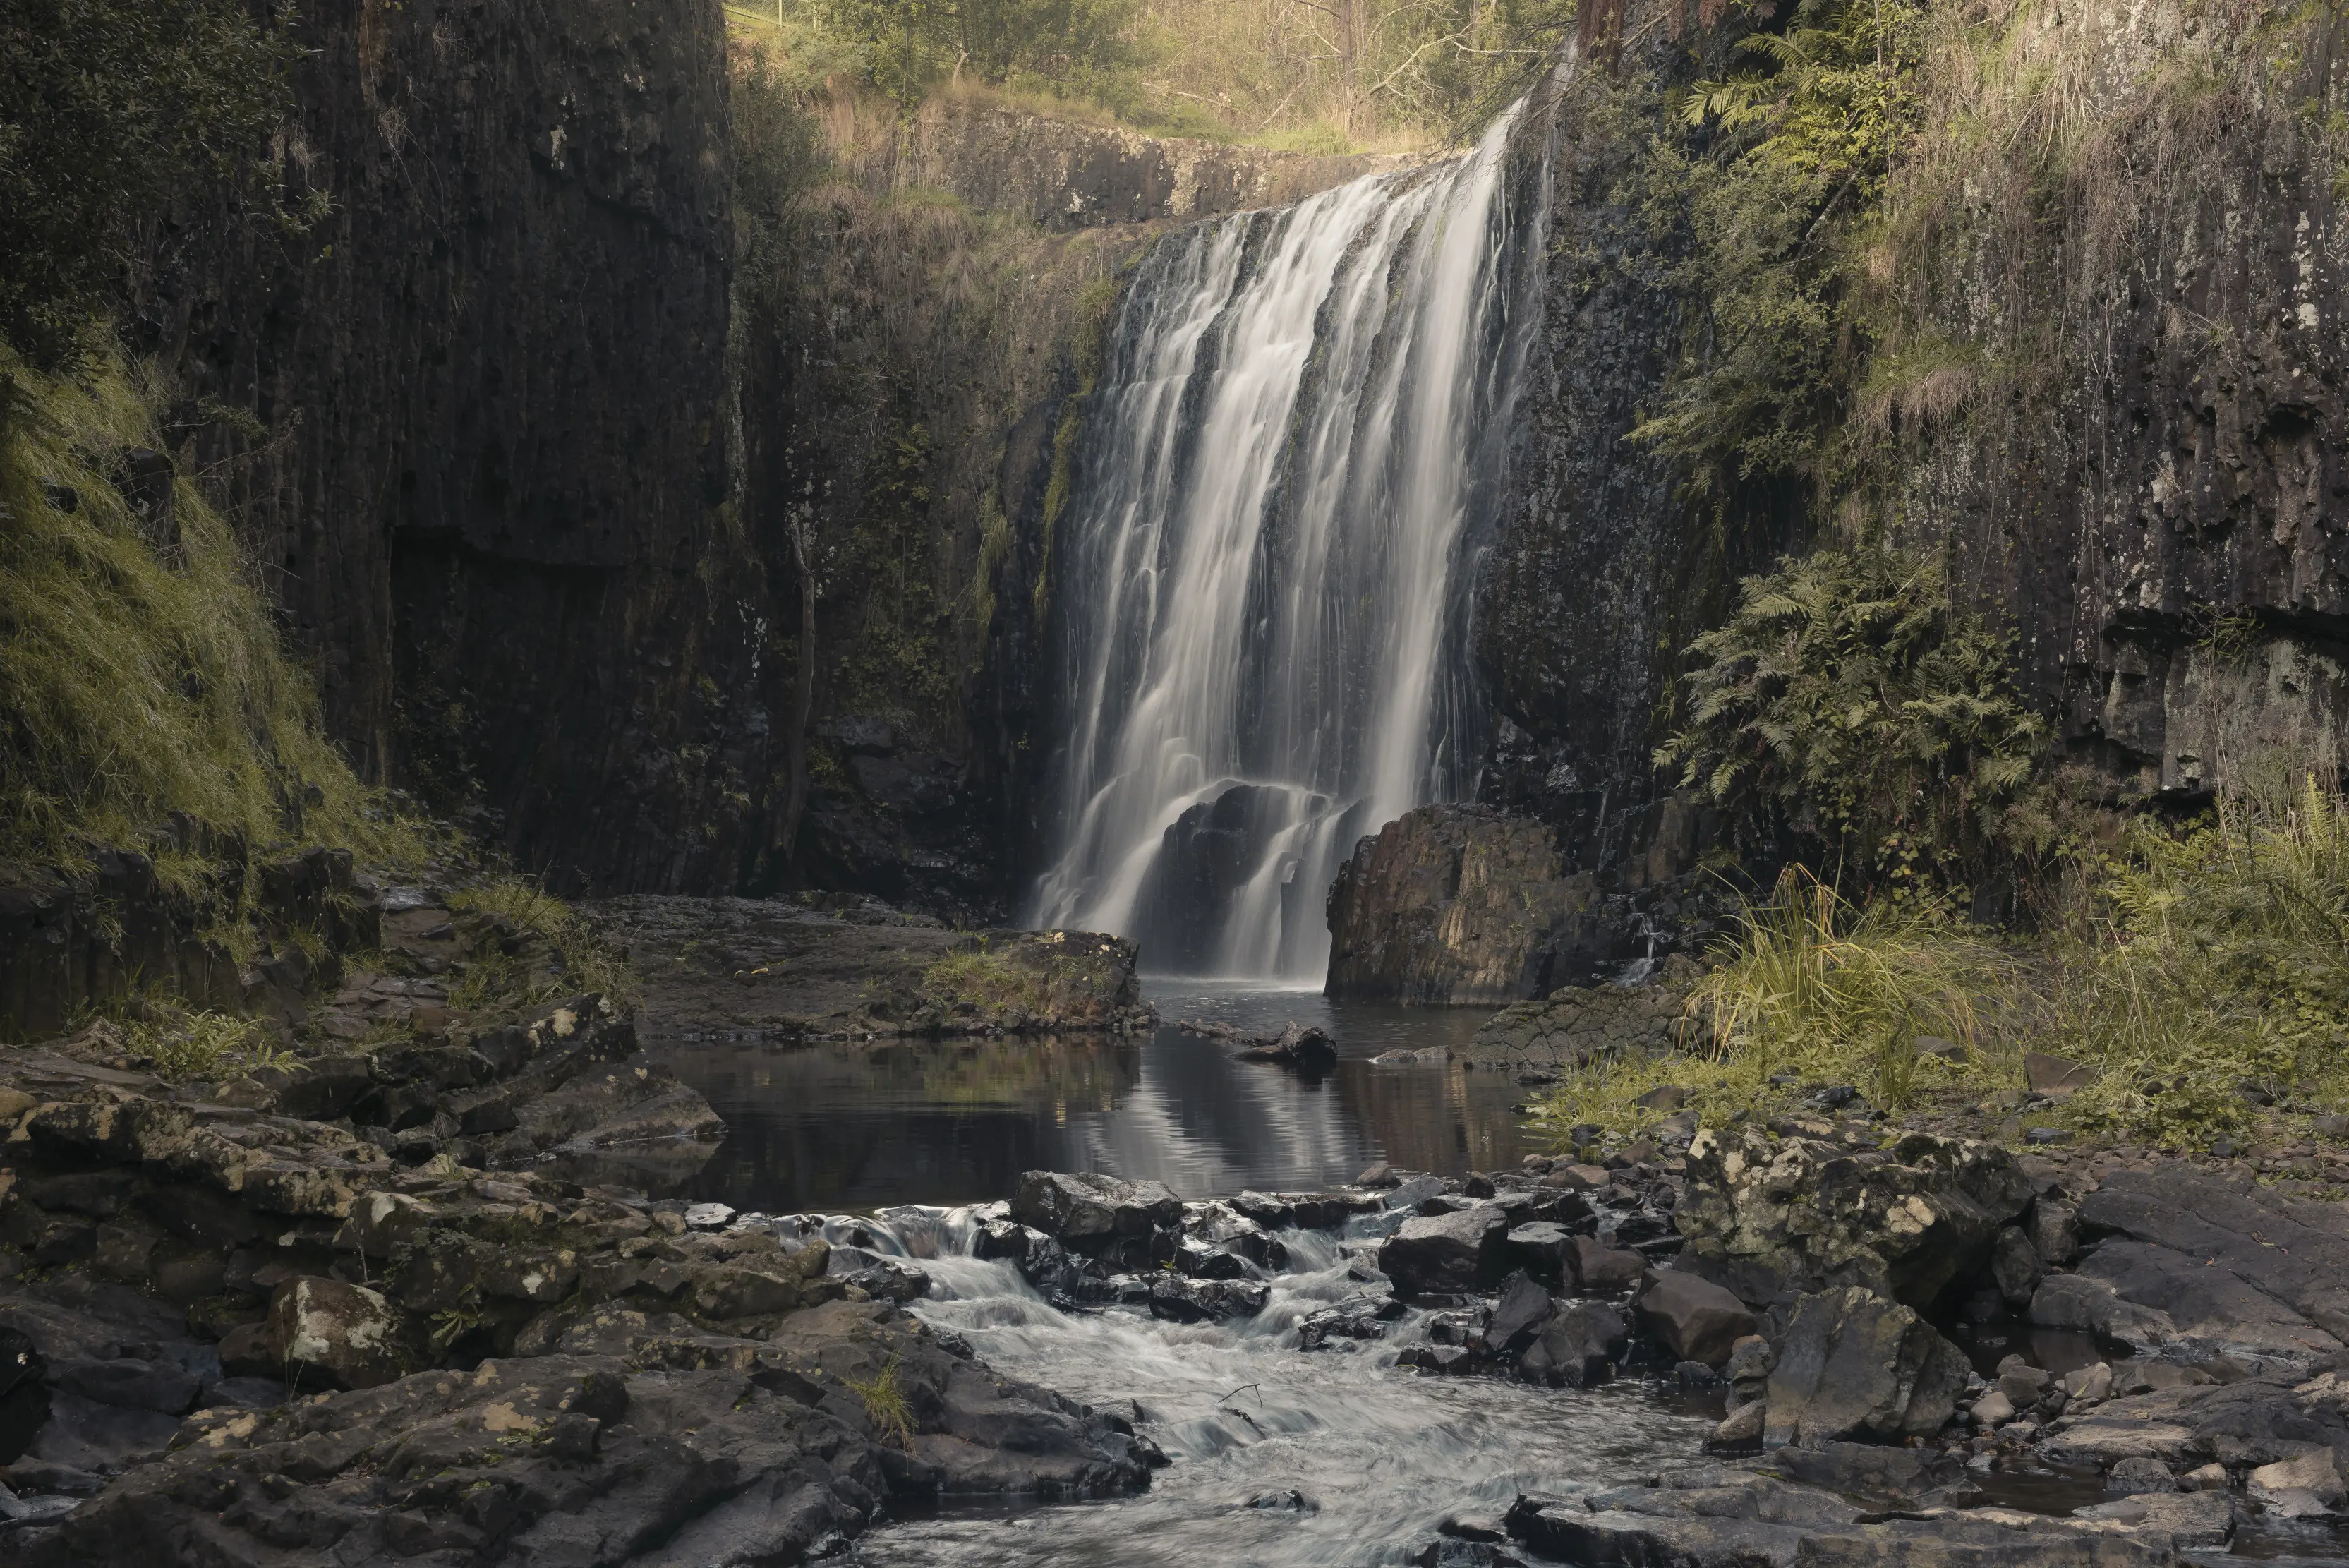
[(1281, 1458), (1299, 430)]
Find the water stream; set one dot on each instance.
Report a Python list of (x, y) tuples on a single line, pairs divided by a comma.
[(1279, 1456), (1297, 432)]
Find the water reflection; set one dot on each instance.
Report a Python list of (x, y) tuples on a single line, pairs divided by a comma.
[(859, 1126)]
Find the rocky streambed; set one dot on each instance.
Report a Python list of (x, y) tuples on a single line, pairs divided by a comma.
[(304, 1318)]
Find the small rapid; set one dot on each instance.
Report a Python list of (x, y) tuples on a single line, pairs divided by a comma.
[(1277, 1456)]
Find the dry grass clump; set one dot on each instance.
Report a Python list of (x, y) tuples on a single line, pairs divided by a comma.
[(2200, 974)]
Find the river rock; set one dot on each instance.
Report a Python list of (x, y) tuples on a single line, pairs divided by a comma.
[(1087, 1210), (1300, 1047), (1761, 1217), (2194, 1522), (1693, 1318), (1597, 1269), (1179, 1300), (24, 1392), (323, 1330), (1446, 1253), (1574, 1026), (2317, 1472), (1852, 1365), (1579, 1343), (1518, 1316), (1542, 1248)]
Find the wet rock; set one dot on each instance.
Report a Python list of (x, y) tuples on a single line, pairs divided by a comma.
[(24, 1392), (1451, 1553), (1452, 1360), (1739, 1431), (2015, 1266), (880, 1278), (1696, 1319), (1448, 905), (2197, 1521), (1574, 1026), (1039, 1258), (1087, 1210), (127, 1382), (1356, 1320), (1300, 1047), (1207, 1301), (1871, 1472), (1597, 1269), (1852, 1365), (1446, 1253), (1579, 1345), (1763, 1217), (1517, 1316)]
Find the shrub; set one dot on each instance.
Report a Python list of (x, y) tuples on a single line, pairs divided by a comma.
[(184, 1046), (1848, 700), (106, 110)]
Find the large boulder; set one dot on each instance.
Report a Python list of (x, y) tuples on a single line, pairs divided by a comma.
[(1086, 1209), (1449, 905), (1763, 1217), (1438, 1254), (1852, 1365), (1693, 1318)]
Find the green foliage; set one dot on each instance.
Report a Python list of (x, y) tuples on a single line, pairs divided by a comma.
[(105, 109), (910, 45), (139, 674), (2206, 961), (1779, 167), (184, 1044), (1847, 700)]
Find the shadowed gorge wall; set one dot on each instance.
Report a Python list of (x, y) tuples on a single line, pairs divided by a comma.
[(478, 433)]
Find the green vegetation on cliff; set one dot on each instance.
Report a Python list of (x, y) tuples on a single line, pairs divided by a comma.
[(140, 676), (106, 111), (1303, 74)]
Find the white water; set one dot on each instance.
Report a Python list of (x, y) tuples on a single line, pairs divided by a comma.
[(1297, 423), (1385, 1453)]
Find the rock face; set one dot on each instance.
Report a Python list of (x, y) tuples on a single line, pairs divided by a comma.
[(1763, 1217), (1448, 905), (2206, 1264), (2154, 483), (1572, 1027), (482, 563), (1852, 1365), (1060, 175)]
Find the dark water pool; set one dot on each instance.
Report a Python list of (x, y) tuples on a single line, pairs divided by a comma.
[(857, 1127)]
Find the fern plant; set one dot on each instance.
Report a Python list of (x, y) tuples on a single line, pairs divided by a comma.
[(1847, 700)]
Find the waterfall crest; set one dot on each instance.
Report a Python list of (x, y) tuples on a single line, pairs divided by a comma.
[(1299, 428)]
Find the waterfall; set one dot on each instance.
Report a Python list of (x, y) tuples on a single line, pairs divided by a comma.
[(1299, 430)]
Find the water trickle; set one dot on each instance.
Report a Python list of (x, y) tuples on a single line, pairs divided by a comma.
[(1296, 439)]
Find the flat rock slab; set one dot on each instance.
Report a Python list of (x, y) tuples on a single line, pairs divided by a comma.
[(1573, 1028), (771, 967), (2230, 1265)]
